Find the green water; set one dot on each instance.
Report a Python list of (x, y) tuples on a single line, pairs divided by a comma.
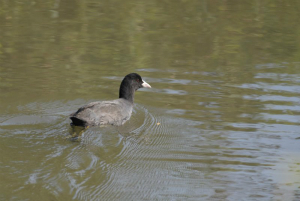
[(221, 121)]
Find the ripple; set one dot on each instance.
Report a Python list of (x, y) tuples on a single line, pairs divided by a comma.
[(281, 117), (170, 91), (284, 108), (284, 77), (29, 120), (271, 87), (275, 98), (271, 65)]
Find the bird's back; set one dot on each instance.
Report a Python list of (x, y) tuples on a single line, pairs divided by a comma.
[(115, 112)]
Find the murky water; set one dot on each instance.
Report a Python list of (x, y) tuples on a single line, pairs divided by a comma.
[(221, 121)]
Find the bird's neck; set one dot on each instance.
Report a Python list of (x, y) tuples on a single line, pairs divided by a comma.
[(126, 92)]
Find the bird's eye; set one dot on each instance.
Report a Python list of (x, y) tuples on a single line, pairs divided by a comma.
[(137, 80)]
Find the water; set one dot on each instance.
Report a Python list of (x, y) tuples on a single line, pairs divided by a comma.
[(221, 121)]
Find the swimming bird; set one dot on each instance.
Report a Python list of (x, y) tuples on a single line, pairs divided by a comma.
[(115, 112)]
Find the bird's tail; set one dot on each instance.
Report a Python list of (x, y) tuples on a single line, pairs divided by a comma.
[(78, 122)]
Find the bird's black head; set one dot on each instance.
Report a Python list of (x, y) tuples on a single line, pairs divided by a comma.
[(130, 84)]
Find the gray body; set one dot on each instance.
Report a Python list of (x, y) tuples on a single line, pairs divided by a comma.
[(115, 112)]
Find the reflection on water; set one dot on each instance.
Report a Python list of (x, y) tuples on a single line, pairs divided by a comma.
[(220, 123)]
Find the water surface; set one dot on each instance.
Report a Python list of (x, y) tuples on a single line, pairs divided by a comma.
[(221, 121)]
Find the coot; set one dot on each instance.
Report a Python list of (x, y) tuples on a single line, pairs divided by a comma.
[(115, 112)]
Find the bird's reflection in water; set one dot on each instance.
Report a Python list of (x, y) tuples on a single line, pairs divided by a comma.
[(76, 132)]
